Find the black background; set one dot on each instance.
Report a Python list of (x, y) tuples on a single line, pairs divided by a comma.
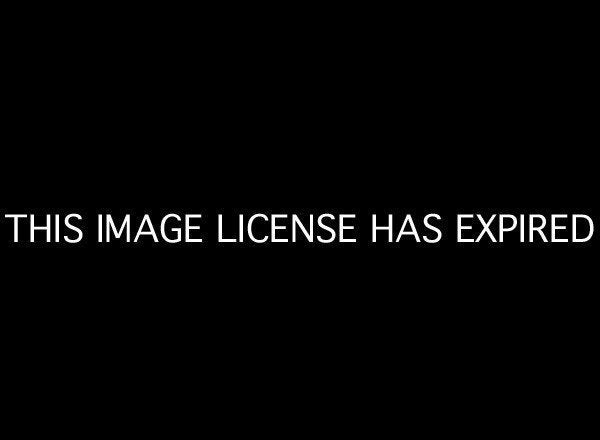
[(386, 112)]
